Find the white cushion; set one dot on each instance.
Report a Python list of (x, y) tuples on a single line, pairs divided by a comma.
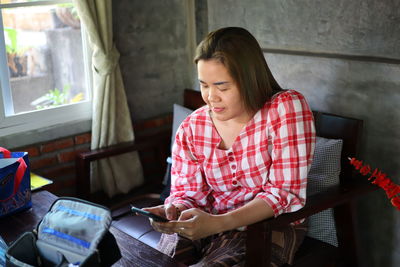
[(180, 113), (323, 174)]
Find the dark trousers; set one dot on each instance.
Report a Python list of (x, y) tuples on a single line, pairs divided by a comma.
[(229, 248)]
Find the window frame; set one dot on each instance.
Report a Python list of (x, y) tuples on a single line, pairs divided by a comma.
[(40, 119)]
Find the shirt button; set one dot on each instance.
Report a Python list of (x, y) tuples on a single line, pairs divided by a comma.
[(234, 182), (233, 167), (231, 159)]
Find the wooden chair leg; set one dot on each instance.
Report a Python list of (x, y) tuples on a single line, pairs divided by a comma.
[(344, 216), (258, 248)]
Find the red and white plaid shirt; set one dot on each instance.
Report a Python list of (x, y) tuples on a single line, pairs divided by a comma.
[(270, 159)]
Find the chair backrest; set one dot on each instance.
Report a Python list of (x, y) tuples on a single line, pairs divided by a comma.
[(327, 125), (345, 128), (192, 99)]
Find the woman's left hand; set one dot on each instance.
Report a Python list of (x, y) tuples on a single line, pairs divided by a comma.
[(193, 224)]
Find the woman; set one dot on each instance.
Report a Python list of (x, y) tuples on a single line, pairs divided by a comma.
[(242, 158)]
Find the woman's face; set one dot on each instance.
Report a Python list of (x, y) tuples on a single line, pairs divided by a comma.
[(220, 92)]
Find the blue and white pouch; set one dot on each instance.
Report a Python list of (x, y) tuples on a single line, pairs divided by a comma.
[(3, 249), (74, 232)]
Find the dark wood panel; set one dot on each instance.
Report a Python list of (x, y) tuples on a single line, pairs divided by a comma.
[(192, 99)]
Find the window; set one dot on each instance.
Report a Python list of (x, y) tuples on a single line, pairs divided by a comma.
[(43, 65)]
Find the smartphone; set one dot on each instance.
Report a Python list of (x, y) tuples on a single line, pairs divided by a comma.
[(149, 214)]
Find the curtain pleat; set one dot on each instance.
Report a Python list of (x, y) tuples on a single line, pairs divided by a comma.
[(111, 121)]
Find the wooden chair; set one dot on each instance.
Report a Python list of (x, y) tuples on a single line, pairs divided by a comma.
[(312, 252)]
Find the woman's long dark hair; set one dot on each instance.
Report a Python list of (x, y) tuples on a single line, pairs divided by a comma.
[(241, 54)]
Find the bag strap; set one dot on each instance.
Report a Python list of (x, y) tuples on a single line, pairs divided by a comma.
[(20, 171), (19, 175), (6, 152)]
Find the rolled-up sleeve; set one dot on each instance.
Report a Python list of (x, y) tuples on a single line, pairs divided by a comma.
[(291, 147), (188, 186)]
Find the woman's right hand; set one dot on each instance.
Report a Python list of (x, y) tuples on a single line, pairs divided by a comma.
[(169, 211)]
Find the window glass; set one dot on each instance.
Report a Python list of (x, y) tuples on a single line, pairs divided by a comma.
[(17, 1), (44, 56), (42, 60)]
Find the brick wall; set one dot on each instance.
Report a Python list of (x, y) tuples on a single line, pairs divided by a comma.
[(55, 160)]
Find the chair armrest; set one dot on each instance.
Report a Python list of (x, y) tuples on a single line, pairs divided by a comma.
[(114, 150), (331, 198), (82, 160), (259, 234)]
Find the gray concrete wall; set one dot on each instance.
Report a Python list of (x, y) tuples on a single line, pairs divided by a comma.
[(151, 38), (67, 64), (22, 93), (353, 27)]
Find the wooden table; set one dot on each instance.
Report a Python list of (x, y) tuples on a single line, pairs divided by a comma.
[(134, 252), (11, 227)]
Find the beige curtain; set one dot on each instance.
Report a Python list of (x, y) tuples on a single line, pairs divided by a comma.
[(111, 118)]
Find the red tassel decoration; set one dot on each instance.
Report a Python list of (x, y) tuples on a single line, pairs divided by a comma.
[(380, 179)]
